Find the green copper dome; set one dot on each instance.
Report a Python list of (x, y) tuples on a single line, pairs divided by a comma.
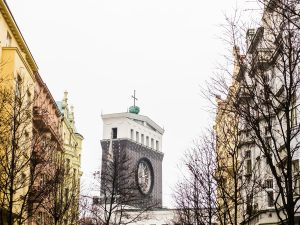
[(134, 109)]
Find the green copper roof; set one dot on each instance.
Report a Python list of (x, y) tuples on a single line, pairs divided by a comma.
[(134, 109), (59, 105)]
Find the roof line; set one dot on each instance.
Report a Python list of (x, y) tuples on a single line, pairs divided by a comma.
[(40, 80), (8, 16), (135, 116)]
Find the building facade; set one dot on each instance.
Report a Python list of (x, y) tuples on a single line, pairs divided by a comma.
[(39, 145), (139, 139), (229, 165), (264, 100), (72, 145), (17, 78), (47, 147)]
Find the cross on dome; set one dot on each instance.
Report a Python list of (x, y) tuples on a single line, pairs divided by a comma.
[(134, 109)]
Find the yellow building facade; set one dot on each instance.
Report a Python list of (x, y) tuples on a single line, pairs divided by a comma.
[(17, 77)]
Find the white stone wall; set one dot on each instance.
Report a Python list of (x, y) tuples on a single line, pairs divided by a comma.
[(139, 130)]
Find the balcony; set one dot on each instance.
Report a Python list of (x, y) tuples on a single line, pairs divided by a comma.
[(256, 39), (246, 142), (262, 57), (43, 123), (245, 93)]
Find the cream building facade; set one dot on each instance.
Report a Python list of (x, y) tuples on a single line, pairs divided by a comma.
[(229, 164), (72, 144), (266, 103)]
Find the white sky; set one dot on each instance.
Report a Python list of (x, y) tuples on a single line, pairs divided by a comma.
[(100, 51)]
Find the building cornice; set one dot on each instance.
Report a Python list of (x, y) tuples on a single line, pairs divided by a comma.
[(79, 135), (15, 49), (44, 85), (17, 34)]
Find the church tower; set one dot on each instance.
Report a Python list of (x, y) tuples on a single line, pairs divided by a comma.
[(140, 139)]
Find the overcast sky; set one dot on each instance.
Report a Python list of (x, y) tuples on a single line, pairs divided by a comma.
[(102, 50)]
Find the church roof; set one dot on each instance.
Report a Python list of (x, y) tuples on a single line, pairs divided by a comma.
[(134, 116)]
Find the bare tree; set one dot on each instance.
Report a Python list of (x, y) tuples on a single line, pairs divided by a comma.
[(217, 183), (117, 199), (20, 154), (195, 195), (63, 193), (237, 170)]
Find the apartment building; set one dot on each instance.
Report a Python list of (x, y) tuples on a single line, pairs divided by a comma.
[(72, 145), (264, 100), (17, 69), (47, 149), (39, 146)]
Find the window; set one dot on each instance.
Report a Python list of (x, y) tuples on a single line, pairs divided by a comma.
[(44, 144), (28, 97), (152, 143), (248, 154), (270, 196), (8, 39), (269, 183), (295, 169), (249, 208), (147, 141), (114, 133), (66, 194), (19, 86), (294, 112), (96, 200), (42, 180), (267, 77), (157, 145), (248, 166), (137, 136), (40, 218), (266, 130), (67, 166), (295, 166), (268, 142), (142, 138), (23, 178), (247, 133), (131, 134)]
